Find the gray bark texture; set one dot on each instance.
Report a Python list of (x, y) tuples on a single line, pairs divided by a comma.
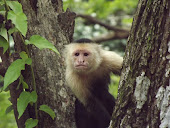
[(47, 18), (144, 89)]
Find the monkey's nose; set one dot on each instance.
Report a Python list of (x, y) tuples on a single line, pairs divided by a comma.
[(81, 62)]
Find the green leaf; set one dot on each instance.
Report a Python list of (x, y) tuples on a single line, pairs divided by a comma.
[(9, 99), (41, 43), (4, 44), (12, 30), (1, 78), (2, 12), (33, 96), (23, 55), (31, 123), (28, 61), (9, 109), (15, 6), (24, 99), (20, 21), (13, 72), (3, 33), (25, 85), (25, 58), (48, 110)]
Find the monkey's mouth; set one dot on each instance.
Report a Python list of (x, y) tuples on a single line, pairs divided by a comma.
[(81, 66)]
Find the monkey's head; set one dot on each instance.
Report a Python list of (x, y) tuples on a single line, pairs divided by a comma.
[(83, 57)]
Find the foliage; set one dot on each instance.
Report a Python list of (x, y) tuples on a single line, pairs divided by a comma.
[(24, 99), (13, 72), (3, 43), (41, 43), (30, 123), (6, 120), (117, 13), (12, 11), (113, 87), (48, 110), (101, 8)]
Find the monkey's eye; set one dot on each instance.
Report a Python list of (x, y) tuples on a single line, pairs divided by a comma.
[(86, 54), (76, 54)]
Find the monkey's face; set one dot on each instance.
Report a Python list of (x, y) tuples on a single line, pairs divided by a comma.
[(82, 60)]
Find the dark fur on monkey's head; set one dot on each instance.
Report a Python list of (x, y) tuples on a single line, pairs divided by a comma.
[(83, 40)]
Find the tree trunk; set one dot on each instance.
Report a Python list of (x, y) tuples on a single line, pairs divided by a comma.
[(46, 18), (144, 89)]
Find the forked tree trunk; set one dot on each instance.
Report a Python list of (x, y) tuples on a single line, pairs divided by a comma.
[(46, 18), (144, 89)]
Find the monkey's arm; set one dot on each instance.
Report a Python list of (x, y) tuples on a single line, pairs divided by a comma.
[(112, 61)]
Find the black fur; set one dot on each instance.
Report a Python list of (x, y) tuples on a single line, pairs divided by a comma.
[(84, 40), (98, 110)]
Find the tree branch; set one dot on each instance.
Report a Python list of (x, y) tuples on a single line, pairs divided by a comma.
[(95, 21), (111, 36)]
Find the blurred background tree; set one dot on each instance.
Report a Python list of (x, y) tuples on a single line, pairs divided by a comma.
[(105, 21)]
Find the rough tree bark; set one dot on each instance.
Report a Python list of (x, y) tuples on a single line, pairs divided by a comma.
[(144, 89), (46, 18)]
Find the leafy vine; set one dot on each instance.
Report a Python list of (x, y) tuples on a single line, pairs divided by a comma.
[(13, 19)]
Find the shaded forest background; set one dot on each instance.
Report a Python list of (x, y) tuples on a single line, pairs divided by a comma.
[(106, 21)]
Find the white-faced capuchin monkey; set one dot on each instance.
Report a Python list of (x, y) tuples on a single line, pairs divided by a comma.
[(88, 69)]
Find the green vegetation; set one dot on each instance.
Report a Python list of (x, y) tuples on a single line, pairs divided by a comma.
[(113, 87), (12, 11), (6, 120), (101, 8)]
